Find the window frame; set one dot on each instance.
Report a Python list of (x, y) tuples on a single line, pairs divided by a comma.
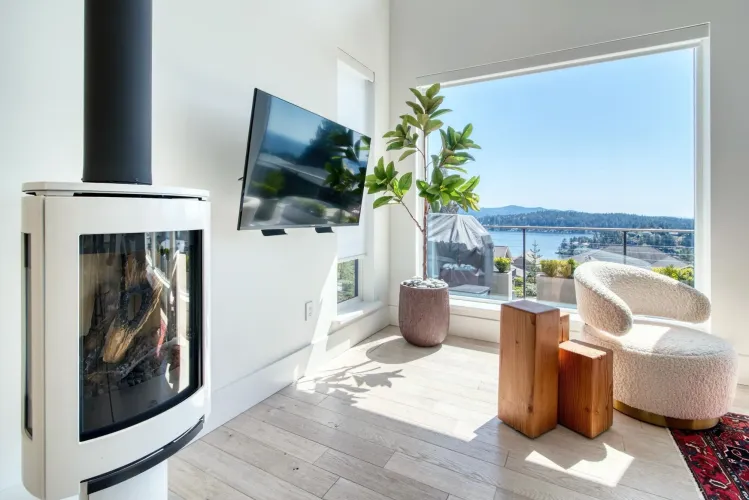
[(357, 281), (365, 282)]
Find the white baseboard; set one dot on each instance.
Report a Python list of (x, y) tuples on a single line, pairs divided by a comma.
[(478, 321), (743, 369), (464, 326), (17, 492), (237, 397)]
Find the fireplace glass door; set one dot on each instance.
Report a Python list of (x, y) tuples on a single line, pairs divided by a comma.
[(140, 326)]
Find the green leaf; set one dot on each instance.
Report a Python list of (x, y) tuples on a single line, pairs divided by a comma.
[(370, 178), (382, 200), (422, 185), (444, 137), (436, 161), (422, 99), (391, 170), (379, 170), (440, 112), (467, 131), (435, 206), (437, 176), (445, 197), (432, 125), (417, 109), (473, 146), (433, 90), (406, 154), (376, 189), (434, 104), (410, 120), (391, 133), (463, 187), (465, 155), (455, 160), (434, 189), (468, 185), (452, 179), (423, 119), (452, 135), (395, 145), (455, 167), (405, 182)]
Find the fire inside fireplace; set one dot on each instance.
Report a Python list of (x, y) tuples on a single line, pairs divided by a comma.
[(140, 326)]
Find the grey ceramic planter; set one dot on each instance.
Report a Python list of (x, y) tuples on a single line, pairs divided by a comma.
[(424, 315), (560, 290), (502, 285)]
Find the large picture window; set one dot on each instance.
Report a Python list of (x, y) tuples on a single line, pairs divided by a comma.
[(586, 163)]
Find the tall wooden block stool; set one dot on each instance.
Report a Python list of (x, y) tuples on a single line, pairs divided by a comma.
[(586, 387), (528, 367)]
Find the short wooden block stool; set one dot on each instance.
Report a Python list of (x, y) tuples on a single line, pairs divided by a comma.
[(528, 367), (586, 387)]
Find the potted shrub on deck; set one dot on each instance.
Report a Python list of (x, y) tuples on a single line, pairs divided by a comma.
[(555, 284), (424, 307), (502, 282)]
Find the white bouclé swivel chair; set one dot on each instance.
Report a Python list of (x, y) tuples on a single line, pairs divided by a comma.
[(666, 372)]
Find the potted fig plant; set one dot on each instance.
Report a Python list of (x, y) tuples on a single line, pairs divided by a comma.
[(424, 307), (555, 283)]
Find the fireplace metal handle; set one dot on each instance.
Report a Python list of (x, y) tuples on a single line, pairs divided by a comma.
[(121, 474)]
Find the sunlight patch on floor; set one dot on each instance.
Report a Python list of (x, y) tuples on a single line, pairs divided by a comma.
[(607, 471)]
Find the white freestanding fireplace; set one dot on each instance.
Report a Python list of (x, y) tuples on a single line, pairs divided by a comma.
[(116, 283), (116, 335)]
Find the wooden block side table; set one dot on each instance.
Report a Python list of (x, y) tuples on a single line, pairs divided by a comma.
[(586, 387), (529, 367)]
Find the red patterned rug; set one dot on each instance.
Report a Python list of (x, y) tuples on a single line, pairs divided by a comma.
[(719, 457)]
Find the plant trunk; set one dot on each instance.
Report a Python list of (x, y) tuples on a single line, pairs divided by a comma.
[(424, 243), (425, 232)]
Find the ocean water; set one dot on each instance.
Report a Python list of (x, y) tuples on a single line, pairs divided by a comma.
[(547, 242)]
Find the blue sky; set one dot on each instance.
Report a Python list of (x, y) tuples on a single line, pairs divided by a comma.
[(609, 137)]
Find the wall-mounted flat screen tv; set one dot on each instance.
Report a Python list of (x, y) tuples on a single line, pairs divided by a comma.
[(301, 170)]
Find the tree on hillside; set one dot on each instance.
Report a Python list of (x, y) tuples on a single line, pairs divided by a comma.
[(531, 269), (570, 218), (564, 248)]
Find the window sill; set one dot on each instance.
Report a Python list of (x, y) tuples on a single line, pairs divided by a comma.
[(352, 311), (489, 310)]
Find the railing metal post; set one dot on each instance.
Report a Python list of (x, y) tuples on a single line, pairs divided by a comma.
[(525, 276), (625, 246)]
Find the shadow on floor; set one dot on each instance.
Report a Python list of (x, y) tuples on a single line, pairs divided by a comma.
[(397, 351)]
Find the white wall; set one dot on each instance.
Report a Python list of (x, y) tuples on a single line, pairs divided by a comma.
[(433, 36), (208, 57)]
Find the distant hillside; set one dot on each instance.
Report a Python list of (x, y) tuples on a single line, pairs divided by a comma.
[(570, 218), (506, 210)]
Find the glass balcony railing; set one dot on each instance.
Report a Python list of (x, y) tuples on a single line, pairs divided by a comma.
[(537, 262)]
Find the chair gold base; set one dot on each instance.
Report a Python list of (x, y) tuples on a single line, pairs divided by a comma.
[(660, 420)]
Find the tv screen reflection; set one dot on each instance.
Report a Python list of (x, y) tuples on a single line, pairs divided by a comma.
[(301, 170)]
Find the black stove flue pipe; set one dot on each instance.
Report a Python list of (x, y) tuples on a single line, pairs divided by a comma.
[(117, 100)]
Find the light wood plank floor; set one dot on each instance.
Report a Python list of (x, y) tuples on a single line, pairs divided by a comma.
[(389, 421)]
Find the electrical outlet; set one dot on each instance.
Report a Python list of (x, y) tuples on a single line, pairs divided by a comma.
[(308, 311)]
